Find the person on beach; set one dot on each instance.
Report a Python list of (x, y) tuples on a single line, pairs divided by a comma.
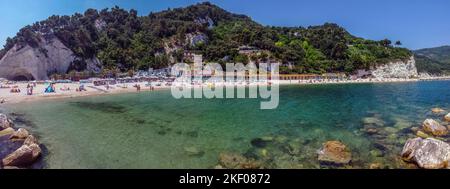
[(15, 89), (29, 89), (81, 88), (138, 87)]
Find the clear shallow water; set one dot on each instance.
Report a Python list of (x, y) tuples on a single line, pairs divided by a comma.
[(154, 130)]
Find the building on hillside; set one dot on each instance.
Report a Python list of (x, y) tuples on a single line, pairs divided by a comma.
[(248, 50)]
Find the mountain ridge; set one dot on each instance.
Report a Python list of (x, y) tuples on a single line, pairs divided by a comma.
[(434, 60)]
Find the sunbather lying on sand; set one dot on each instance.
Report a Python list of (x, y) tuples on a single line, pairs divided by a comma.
[(65, 88), (15, 90)]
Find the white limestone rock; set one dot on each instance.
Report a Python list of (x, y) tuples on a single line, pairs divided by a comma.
[(398, 69), (36, 62)]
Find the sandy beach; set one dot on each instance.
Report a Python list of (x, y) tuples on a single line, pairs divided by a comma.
[(91, 90), (38, 93)]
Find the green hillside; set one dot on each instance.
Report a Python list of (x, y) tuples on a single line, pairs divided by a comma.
[(433, 60), (123, 40)]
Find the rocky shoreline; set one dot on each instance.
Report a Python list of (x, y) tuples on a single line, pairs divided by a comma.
[(18, 148), (423, 147), (402, 145)]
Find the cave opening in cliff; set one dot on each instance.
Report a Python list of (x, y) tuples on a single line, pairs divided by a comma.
[(22, 77)]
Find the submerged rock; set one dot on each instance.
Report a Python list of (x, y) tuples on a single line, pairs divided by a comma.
[(334, 152), (391, 129), (447, 117), (24, 156), (402, 123), (422, 134), (20, 134), (237, 161), (193, 151), (371, 131), (375, 166), (427, 153), (433, 127), (259, 143), (4, 122), (372, 121), (437, 110), (415, 129)]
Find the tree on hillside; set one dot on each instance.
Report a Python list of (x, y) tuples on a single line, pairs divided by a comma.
[(385, 42)]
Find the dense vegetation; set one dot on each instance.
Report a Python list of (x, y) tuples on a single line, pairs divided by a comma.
[(123, 40), (433, 60)]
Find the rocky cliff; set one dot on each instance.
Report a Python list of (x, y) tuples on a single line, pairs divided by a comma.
[(29, 63), (398, 69)]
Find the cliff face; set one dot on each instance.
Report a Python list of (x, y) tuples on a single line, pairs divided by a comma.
[(398, 69), (28, 63)]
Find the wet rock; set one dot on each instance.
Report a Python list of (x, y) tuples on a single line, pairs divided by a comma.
[(422, 134), (11, 167), (376, 153), (375, 166), (447, 117), (194, 151), (373, 121), (4, 122), (291, 148), (433, 127), (380, 146), (24, 156), (280, 139), (259, 143), (392, 137), (415, 129), (370, 130), (264, 153), (236, 161), (427, 153), (7, 131), (402, 123), (437, 110), (30, 140), (20, 134), (267, 138), (391, 129), (334, 152)]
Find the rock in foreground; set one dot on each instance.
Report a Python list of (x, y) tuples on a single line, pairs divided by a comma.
[(447, 117), (4, 122), (433, 127), (437, 110), (237, 161), (334, 152), (24, 156), (20, 134), (427, 153)]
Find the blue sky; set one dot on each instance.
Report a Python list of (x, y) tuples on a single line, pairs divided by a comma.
[(417, 23)]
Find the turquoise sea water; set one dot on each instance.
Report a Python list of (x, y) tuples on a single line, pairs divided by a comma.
[(154, 130)]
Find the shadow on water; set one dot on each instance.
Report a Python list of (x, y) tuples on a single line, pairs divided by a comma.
[(101, 106)]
